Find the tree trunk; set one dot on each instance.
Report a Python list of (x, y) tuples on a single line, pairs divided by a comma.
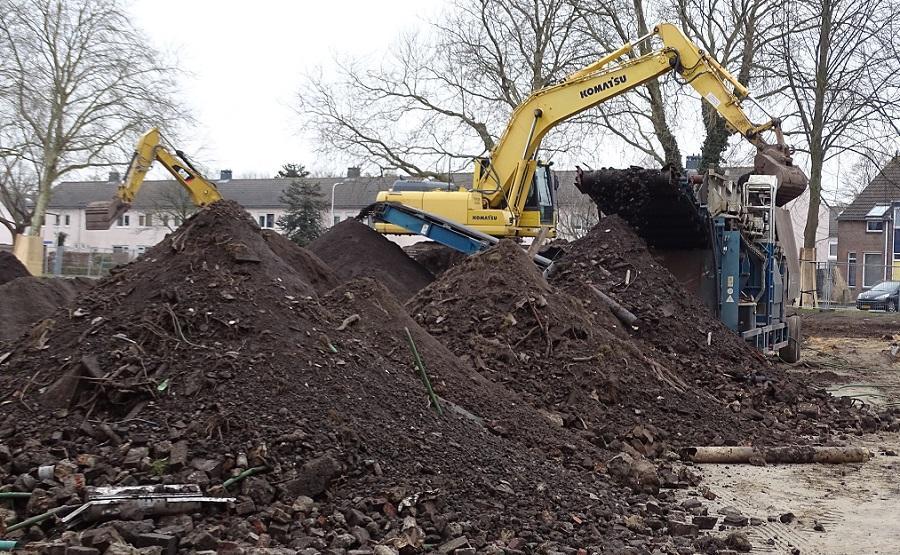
[(716, 138), (40, 205), (661, 128), (815, 197)]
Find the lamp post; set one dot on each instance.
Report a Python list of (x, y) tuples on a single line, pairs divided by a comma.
[(333, 187)]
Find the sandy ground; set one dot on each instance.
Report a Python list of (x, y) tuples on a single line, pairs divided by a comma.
[(856, 507)]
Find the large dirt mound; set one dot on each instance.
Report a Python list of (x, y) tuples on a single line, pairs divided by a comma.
[(29, 299), (309, 266), (353, 250), (211, 354), (565, 352), (11, 268)]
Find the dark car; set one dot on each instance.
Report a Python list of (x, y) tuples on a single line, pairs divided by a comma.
[(884, 296)]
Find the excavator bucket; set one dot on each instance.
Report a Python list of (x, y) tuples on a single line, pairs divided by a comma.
[(100, 215), (774, 160)]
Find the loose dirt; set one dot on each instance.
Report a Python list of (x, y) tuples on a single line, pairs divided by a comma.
[(28, 300), (225, 348), (11, 268), (849, 323), (211, 354), (353, 250)]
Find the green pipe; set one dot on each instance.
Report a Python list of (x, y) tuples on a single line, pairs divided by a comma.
[(14, 495), (245, 474), (7, 545), (421, 366), (36, 519)]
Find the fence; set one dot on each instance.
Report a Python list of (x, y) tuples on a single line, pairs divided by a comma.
[(68, 261), (839, 283)]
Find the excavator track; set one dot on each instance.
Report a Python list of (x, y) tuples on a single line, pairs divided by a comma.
[(658, 204)]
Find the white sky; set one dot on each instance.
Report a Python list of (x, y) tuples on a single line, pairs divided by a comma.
[(246, 61)]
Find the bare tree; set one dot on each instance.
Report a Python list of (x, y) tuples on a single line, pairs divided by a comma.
[(171, 205), (576, 216), (17, 185), (444, 96), (838, 59), (735, 33), (79, 82)]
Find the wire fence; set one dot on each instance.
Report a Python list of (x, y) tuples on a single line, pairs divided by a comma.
[(95, 263), (838, 284)]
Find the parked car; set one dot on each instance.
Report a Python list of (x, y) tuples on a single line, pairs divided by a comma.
[(884, 296)]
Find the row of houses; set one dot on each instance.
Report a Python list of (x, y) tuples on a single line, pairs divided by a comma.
[(861, 239)]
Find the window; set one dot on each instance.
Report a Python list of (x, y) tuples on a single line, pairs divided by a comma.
[(120, 249), (57, 219), (266, 221), (67, 219), (851, 269), (873, 226), (124, 220), (832, 249), (145, 220), (337, 220), (141, 249), (873, 268)]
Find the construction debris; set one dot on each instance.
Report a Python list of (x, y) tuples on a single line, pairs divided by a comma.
[(776, 455), (231, 362)]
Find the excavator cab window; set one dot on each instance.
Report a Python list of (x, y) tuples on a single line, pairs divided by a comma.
[(542, 196)]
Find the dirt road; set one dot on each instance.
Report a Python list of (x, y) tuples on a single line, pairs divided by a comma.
[(844, 509)]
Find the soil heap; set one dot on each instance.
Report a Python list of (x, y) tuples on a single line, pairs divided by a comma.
[(562, 349), (353, 250), (27, 300), (11, 268), (212, 354)]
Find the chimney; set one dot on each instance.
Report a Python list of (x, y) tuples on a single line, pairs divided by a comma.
[(353, 171), (224, 175), (114, 177)]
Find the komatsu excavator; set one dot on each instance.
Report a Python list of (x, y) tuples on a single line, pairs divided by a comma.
[(149, 149), (513, 193)]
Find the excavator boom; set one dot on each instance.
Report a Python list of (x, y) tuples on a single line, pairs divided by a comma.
[(509, 197), (149, 149)]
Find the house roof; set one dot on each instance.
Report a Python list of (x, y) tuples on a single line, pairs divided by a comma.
[(884, 189), (350, 193)]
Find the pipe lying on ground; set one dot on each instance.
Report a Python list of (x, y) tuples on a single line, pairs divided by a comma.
[(795, 454), (623, 314)]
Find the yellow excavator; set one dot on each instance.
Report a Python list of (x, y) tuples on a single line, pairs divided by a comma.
[(512, 193), (150, 149)]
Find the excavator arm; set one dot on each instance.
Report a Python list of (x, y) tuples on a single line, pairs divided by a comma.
[(506, 176), (149, 149)]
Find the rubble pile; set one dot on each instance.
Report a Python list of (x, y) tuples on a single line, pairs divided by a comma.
[(212, 366), (647, 389), (11, 268), (229, 391), (353, 250)]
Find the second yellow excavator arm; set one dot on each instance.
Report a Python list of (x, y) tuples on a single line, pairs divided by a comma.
[(150, 149), (505, 177)]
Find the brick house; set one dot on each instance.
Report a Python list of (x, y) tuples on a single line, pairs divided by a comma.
[(868, 232)]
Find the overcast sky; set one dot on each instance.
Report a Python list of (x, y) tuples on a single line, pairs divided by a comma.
[(246, 61)]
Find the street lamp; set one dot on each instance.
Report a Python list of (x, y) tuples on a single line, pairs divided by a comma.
[(333, 187)]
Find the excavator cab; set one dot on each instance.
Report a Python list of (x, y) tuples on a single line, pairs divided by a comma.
[(542, 197)]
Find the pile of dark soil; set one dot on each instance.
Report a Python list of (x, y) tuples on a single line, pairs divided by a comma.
[(564, 351), (353, 250), (27, 300), (11, 268), (435, 257), (309, 266), (212, 354)]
